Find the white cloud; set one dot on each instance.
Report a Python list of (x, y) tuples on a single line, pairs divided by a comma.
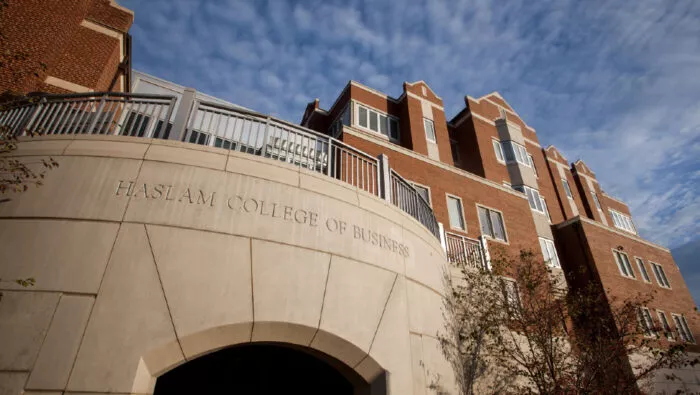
[(613, 82)]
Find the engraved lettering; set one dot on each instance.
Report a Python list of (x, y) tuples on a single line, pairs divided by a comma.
[(202, 200), (187, 194), (157, 191), (303, 216), (287, 213), (143, 191), (313, 219), (127, 187), (167, 194), (246, 205), (274, 210)]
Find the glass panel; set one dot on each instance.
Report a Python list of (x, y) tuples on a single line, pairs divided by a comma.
[(595, 200), (508, 151), (373, 123), (423, 192), (362, 115), (566, 188), (498, 150), (345, 118), (545, 251), (454, 207), (552, 253), (484, 220), (643, 270), (394, 128), (383, 127), (497, 224), (429, 130)]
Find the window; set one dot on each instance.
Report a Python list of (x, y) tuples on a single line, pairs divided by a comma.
[(596, 201), (546, 210), (515, 152), (424, 192), (645, 321), (643, 269), (498, 149), (567, 189), (682, 328), (660, 275), (622, 221), (664, 325), (532, 164), (549, 252), (343, 119), (198, 138), (429, 130), (511, 295), (375, 121), (224, 143), (454, 209), (533, 197), (491, 223), (623, 263)]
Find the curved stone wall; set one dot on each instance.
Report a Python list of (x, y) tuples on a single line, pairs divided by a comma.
[(149, 253)]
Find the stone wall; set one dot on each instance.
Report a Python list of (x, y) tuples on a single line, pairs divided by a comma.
[(149, 253)]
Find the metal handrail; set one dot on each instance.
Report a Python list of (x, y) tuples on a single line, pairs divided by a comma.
[(213, 124), (464, 251), (406, 197)]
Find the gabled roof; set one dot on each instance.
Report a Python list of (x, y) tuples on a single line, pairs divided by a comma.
[(426, 85), (583, 165), (496, 99), (555, 153)]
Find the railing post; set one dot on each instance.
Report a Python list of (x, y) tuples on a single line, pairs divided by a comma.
[(485, 251), (384, 177), (443, 240), (263, 151), (96, 116), (182, 115), (25, 129)]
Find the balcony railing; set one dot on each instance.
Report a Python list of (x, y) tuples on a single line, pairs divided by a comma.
[(167, 117), (463, 251)]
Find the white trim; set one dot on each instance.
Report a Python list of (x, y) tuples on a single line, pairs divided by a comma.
[(463, 117), (67, 85), (116, 5), (425, 129), (485, 97), (669, 334), (642, 269), (533, 142), (500, 149), (430, 195), (413, 95), (503, 222), (426, 85), (621, 264), (415, 155), (684, 323), (628, 235), (613, 198), (376, 92), (648, 326), (656, 275), (108, 32), (461, 205), (355, 121)]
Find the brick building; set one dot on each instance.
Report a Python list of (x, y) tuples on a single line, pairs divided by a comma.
[(486, 175), (65, 46)]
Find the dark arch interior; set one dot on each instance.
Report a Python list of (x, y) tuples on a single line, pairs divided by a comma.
[(261, 369)]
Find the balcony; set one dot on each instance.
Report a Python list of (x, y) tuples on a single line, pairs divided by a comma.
[(465, 252), (198, 122)]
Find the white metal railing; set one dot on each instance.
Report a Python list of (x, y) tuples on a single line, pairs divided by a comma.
[(107, 113), (464, 251), (407, 198)]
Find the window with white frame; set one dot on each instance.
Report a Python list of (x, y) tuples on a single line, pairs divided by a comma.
[(665, 325), (596, 201), (646, 323), (424, 192), (533, 198), (549, 252), (660, 275), (491, 222), (454, 209), (515, 152), (643, 269), (682, 328), (511, 295), (343, 119), (498, 149), (622, 221), (623, 263), (567, 189), (532, 164), (429, 130), (546, 210), (376, 121)]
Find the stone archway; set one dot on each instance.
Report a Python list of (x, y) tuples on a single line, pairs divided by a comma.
[(225, 363), (262, 369)]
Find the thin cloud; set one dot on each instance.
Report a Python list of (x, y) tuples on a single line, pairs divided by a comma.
[(612, 82)]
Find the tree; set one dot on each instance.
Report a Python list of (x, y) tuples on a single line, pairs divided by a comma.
[(511, 330)]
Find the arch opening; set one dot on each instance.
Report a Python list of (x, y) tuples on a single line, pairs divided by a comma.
[(265, 368)]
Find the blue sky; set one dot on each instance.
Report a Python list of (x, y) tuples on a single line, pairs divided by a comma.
[(615, 83)]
